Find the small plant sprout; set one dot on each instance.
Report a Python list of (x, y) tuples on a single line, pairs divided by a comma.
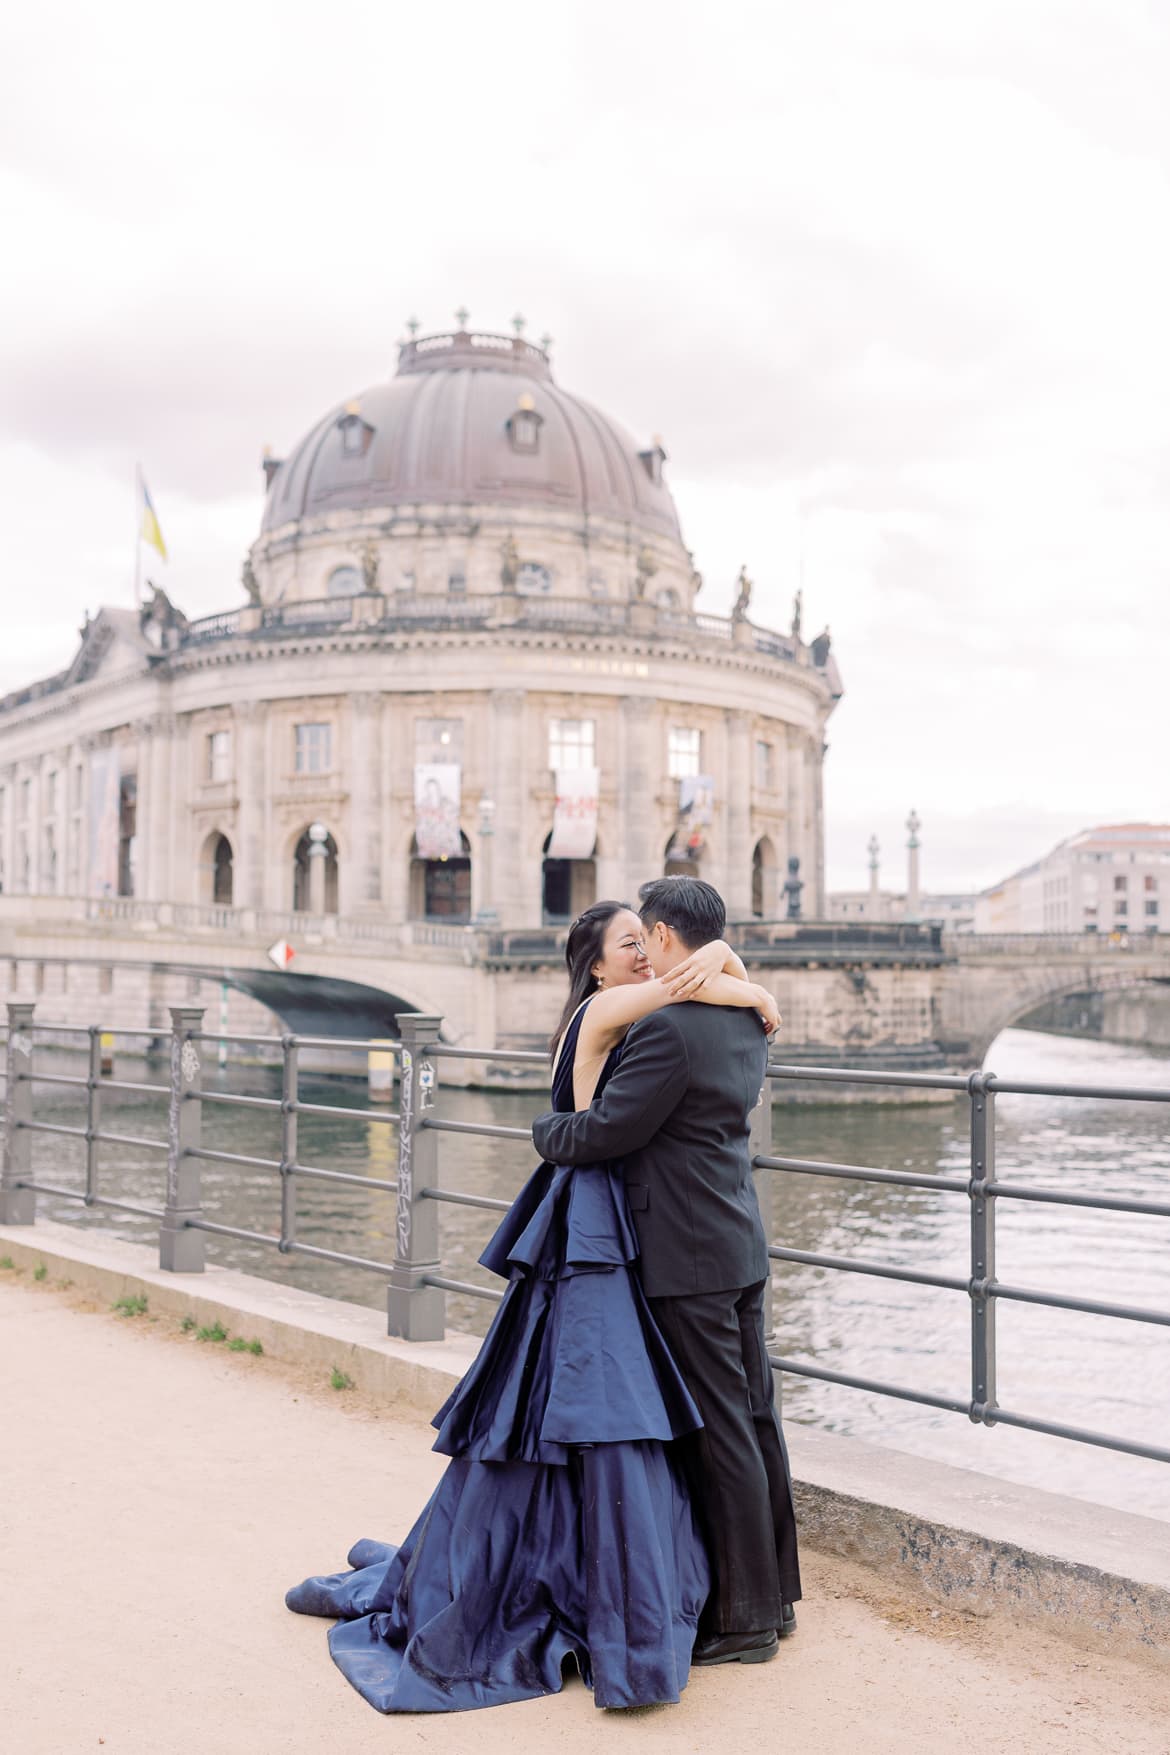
[(40, 1272), (339, 1380), (188, 1323), (240, 1345), (134, 1304), (214, 1332), (6, 1261)]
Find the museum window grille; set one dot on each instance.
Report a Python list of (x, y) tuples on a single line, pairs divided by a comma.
[(314, 748), (568, 886), (219, 755), (572, 743), (440, 889), (356, 433), (683, 751)]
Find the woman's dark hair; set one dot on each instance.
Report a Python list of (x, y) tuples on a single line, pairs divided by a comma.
[(582, 949)]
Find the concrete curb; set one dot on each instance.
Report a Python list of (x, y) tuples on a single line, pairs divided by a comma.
[(964, 1540)]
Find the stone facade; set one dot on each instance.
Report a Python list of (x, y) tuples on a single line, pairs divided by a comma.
[(1112, 879), (425, 587)]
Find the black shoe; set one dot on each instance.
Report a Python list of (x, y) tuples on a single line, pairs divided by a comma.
[(737, 1648), (787, 1625)]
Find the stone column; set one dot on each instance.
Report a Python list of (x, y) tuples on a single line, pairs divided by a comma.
[(797, 845), (249, 733), (361, 883), (875, 887), (737, 892), (640, 853), (8, 828), (512, 888), (160, 823), (183, 854), (816, 759)]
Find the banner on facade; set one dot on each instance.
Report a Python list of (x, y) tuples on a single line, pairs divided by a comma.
[(436, 809), (104, 806), (574, 831), (696, 811)]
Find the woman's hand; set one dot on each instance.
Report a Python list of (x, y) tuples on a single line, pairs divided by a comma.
[(685, 980), (768, 1010)]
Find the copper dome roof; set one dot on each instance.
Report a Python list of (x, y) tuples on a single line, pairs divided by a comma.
[(441, 431)]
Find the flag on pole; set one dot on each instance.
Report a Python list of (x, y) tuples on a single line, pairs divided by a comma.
[(149, 529)]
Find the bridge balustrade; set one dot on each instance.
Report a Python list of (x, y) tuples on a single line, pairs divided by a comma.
[(416, 1284)]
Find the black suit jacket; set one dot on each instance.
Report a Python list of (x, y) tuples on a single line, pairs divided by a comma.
[(675, 1111)]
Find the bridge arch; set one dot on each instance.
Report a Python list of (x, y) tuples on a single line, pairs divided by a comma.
[(995, 989)]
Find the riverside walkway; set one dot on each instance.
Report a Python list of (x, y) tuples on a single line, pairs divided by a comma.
[(158, 1494)]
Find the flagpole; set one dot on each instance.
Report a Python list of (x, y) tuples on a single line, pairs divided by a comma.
[(137, 536)]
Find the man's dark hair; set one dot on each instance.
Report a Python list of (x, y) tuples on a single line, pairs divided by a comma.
[(689, 906)]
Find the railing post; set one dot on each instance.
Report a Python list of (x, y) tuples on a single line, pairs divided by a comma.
[(18, 1206), (93, 1111), (290, 1084), (415, 1311), (982, 1249), (180, 1247), (760, 1145)]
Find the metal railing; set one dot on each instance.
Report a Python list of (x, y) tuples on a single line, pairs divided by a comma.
[(416, 1284)]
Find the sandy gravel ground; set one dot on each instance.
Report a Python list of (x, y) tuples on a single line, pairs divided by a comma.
[(158, 1494)]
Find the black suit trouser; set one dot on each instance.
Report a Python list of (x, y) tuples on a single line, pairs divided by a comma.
[(737, 1466)]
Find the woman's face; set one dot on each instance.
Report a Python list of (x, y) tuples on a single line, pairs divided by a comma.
[(623, 952)]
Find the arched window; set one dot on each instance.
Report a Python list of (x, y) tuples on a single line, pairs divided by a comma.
[(344, 582), (440, 889), (679, 860), (216, 877), (568, 886), (765, 900), (315, 873)]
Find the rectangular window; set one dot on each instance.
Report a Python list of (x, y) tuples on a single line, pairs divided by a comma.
[(1120, 909), (314, 752), (683, 751), (1152, 908), (25, 794), (51, 793), (219, 755), (438, 740), (764, 772), (571, 743), (1151, 884), (1121, 883)]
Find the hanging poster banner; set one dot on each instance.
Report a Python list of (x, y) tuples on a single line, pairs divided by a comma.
[(104, 802), (436, 809), (696, 811), (574, 831)]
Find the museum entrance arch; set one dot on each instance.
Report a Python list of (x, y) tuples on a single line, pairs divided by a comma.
[(440, 889), (568, 886)]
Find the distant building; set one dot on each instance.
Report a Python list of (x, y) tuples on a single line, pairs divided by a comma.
[(1112, 879), (955, 910)]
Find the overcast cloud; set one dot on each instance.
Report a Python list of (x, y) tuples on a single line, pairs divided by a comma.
[(890, 280)]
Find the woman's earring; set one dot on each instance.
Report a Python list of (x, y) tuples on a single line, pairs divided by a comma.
[(600, 980)]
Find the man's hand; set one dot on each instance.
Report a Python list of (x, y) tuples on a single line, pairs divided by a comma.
[(768, 1010), (685, 980)]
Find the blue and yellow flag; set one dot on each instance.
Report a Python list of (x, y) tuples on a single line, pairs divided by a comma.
[(150, 530)]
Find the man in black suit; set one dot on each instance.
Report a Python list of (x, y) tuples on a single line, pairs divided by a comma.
[(675, 1111)]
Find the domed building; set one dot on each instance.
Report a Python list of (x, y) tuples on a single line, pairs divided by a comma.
[(470, 685)]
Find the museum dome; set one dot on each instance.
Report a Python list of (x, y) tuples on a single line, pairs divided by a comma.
[(471, 418)]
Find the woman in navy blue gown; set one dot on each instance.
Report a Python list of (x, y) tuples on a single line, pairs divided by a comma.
[(562, 1526)]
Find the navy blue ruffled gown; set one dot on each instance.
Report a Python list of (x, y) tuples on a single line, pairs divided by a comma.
[(562, 1527)]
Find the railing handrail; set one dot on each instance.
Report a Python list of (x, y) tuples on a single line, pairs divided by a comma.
[(417, 1286)]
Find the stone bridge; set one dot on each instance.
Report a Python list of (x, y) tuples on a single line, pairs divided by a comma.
[(896, 995)]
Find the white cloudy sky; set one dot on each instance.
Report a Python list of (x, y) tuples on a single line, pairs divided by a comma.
[(892, 281)]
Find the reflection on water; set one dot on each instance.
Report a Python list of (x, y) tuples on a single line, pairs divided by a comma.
[(1096, 1372)]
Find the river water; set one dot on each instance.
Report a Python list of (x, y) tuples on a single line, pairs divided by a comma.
[(1090, 1371)]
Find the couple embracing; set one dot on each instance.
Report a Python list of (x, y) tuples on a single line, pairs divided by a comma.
[(619, 1491)]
